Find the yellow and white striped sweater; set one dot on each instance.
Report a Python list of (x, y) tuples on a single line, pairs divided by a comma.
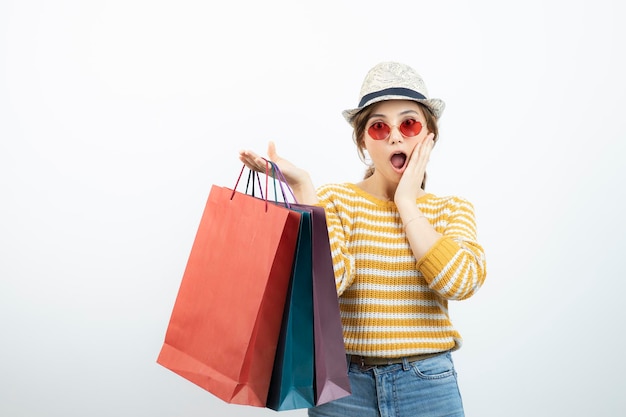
[(391, 304)]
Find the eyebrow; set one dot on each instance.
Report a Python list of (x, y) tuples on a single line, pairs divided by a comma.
[(401, 113)]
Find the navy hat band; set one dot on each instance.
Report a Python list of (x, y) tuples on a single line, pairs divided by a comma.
[(392, 92)]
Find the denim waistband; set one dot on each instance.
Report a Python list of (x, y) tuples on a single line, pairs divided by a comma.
[(375, 361)]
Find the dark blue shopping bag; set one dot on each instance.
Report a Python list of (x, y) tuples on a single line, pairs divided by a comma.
[(293, 378)]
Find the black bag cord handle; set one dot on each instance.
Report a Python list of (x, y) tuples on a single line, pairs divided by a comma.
[(251, 176), (277, 175)]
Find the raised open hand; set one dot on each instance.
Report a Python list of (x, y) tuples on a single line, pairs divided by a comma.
[(409, 187), (297, 178)]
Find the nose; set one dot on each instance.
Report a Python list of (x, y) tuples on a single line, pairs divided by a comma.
[(395, 135)]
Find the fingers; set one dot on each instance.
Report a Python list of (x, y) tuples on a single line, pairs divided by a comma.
[(427, 142), (427, 145), (416, 168), (421, 152), (252, 160), (271, 151), (255, 161)]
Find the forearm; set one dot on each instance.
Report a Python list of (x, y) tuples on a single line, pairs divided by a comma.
[(449, 257), (419, 232), (454, 270)]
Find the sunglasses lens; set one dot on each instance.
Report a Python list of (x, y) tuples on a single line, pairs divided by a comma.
[(410, 128), (379, 131)]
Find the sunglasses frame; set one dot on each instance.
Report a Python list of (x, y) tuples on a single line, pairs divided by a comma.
[(399, 127)]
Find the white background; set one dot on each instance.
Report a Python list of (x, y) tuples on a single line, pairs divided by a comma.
[(116, 117)]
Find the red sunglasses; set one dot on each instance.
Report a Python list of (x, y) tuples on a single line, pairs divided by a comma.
[(381, 130)]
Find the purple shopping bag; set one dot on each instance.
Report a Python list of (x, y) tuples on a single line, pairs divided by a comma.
[(331, 369)]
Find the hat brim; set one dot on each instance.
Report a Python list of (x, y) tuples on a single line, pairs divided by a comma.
[(434, 104)]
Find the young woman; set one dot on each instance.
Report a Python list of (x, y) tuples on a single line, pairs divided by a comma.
[(399, 254)]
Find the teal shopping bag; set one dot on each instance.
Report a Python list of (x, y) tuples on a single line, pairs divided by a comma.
[(293, 378)]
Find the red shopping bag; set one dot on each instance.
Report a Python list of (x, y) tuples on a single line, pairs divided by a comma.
[(224, 327)]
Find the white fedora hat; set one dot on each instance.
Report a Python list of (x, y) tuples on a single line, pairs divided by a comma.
[(394, 81)]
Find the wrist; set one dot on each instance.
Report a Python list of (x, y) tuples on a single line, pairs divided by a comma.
[(413, 219), (304, 190), (300, 182)]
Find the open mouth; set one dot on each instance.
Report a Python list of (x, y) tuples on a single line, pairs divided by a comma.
[(398, 160)]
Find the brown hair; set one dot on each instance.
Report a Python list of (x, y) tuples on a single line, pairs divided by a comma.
[(360, 123)]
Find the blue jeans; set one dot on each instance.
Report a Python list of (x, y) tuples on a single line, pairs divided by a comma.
[(427, 388)]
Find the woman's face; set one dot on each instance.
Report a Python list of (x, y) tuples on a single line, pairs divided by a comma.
[(402, 120)]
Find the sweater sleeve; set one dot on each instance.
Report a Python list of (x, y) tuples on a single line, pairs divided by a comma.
[(455, 266), (339, 226)]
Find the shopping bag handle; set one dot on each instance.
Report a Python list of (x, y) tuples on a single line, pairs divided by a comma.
[(281, 181), (276, 174), (251, 176)]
